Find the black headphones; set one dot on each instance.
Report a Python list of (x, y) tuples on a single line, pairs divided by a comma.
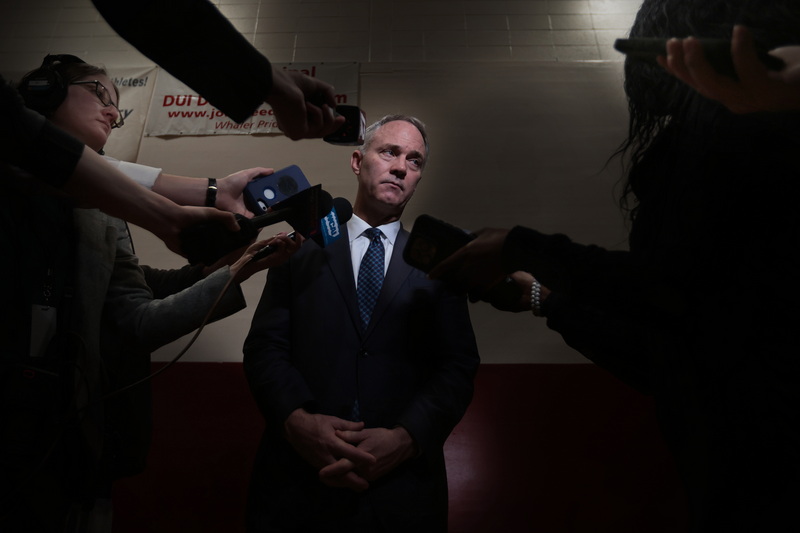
[(45, 88)]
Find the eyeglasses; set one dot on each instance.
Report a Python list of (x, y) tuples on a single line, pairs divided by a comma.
[(105, 99)]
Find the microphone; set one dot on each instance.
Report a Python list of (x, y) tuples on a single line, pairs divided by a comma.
[(302, 211), (329, 232), (329, 226), (209, 241)]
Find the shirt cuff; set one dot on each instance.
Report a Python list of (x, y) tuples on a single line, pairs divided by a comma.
[(141, 174)]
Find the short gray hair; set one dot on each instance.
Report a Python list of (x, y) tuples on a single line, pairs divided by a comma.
[(369, 134)]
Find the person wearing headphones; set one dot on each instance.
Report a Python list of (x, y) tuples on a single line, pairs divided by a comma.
[(227, 71), (45, 89), (33, 148), (78, 308)]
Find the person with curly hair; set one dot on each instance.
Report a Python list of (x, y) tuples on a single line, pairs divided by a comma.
[(701, 311)]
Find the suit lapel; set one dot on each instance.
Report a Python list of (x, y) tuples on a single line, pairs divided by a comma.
[(338, 257)]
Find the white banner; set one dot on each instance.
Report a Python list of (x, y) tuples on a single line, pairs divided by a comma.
[(177, 110), (135, 91)]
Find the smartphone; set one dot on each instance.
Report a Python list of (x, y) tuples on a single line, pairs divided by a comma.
[(431, 241), (269, 249), (352, 131), (265, 191), (717, 52)]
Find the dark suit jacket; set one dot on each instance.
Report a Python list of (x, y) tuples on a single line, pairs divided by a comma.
[(414, 366)]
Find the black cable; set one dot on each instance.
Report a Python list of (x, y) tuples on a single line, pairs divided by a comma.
[(261, 254), (181, 353), (79, 413)]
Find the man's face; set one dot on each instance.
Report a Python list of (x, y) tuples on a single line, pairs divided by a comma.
[(389, 169), (83, 115)]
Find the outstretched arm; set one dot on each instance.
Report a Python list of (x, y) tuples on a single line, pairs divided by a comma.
[(226, 70), (96, 183), (186, 190)]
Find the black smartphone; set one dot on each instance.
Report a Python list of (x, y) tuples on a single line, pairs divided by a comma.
[(717, 52), (265, 191), (269, 249), (431, 241), (352, 131)]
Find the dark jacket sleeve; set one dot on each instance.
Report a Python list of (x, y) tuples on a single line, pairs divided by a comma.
[(616, 342), (194, 42), (568, 267), (278, 387), (440, 403), (164, 282), (593, 300)]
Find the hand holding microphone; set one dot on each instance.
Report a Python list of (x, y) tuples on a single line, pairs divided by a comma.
[(329, 228), (265, 254), (208, 242)]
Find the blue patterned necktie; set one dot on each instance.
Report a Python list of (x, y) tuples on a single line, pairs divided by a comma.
[(370, 275)]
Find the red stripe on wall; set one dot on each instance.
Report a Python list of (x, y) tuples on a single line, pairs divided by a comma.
[(542, 448)]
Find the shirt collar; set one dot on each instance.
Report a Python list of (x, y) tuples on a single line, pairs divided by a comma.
[(356, 226)]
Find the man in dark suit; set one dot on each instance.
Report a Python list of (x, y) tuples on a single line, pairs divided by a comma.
[(358, 407)]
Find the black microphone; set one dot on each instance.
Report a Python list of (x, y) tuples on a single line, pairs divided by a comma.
[(329, 232), (209, 241), (302, 211), (329, 225)]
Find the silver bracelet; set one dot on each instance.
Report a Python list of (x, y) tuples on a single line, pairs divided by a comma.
[(536, 298)]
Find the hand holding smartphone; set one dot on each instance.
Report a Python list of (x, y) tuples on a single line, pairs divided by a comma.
[(352, 131), (266, 191), (716, 51), (433, 240)]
